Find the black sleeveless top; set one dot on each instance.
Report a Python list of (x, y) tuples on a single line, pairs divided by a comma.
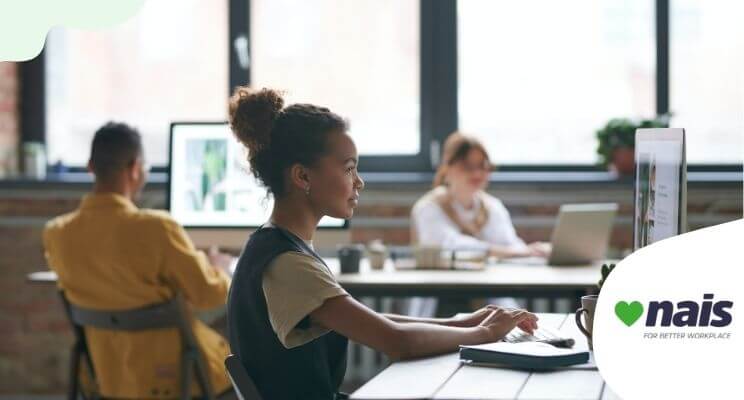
[(313, 370)]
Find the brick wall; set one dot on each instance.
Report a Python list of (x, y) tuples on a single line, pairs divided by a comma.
[(34, 337), (9, 118)]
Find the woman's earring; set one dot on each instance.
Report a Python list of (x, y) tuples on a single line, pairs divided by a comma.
[(307, 190)]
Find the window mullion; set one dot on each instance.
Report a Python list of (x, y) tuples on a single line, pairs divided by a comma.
[(239, 43), (662, 57), (438, 75)]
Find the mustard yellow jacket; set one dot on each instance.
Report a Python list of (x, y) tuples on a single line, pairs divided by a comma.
[(110, 255)]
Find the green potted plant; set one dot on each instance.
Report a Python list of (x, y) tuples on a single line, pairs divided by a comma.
[(606, 269), (589, 304), (616, 139)]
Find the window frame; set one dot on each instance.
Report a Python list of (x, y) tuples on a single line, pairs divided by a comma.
[(438, 102), (438, 89)]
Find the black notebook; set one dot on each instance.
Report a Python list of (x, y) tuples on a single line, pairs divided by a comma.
[(524, 355)]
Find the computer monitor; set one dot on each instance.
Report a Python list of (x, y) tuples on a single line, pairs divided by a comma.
[(660, 209), (210, 184)]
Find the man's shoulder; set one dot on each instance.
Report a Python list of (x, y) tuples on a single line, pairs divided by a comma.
[(148, 214), (60, 222), (157, 219)]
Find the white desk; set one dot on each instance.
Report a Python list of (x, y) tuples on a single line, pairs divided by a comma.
[(524, 281), (443, 377), (496, 280)]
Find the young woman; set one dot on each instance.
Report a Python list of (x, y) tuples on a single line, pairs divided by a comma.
[(289, 320), (459, 214)]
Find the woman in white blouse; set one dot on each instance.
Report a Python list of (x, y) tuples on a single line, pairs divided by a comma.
[(458, 214)]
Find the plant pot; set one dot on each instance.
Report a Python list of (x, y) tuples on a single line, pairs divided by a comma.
[(623, 160)]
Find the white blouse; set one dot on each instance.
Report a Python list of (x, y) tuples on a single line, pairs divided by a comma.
[(432, 226)]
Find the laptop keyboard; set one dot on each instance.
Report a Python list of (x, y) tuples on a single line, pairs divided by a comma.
[(542, 334)]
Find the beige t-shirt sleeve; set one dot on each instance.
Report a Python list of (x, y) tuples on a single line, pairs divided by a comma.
[(295, 284)]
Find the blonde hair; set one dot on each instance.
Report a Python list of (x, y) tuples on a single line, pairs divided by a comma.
[(456, 148)]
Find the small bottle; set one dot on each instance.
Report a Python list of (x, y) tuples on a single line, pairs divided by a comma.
[(34, 160)]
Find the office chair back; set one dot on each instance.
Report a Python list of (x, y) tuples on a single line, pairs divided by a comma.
[(170, 314), (241, 381)]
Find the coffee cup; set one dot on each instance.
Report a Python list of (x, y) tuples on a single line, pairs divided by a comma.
[(377, 254), (588, 305), (349, 257)]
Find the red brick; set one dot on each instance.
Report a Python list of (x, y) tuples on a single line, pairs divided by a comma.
[(11, 345), (9, 116), (47, 324), (37, 305), (37, 207)]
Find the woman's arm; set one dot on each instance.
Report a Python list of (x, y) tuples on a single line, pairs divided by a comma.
[(398, 340), (404, 319), (462, 320), (433, 226), (508, 251), (500, 229)]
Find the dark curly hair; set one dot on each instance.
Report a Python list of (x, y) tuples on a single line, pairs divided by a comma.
[(278, 137)]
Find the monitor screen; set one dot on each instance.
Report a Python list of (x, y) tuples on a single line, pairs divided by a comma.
[(660, 185), (210, 183)]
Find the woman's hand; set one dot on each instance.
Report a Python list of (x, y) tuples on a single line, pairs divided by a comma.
[(534, 249), (540, 249), (501, 321), (477, 317)]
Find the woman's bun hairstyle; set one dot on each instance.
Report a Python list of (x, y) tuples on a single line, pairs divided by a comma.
[(252, 115), (278, 137)]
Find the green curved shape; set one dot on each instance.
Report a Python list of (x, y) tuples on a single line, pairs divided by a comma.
[(24, 24), (629, 313)]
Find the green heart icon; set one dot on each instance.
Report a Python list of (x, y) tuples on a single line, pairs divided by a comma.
[(628, 313)]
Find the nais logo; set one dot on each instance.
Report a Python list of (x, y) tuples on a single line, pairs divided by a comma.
[(683, 314), (628, 312)]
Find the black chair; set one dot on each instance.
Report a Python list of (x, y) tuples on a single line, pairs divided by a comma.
[(241, 381), (171, 314)]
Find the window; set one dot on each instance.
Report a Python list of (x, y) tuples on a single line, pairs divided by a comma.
[(707, 78), (534, 79), (359, 58), (168, 63), (537, 78)]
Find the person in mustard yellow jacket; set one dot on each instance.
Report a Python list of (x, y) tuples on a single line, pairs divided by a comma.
[(110, 255)]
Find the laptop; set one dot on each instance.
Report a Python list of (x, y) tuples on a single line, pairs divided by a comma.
[(580, 235)]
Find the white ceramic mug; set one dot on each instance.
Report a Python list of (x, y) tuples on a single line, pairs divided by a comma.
[(588, 305)]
